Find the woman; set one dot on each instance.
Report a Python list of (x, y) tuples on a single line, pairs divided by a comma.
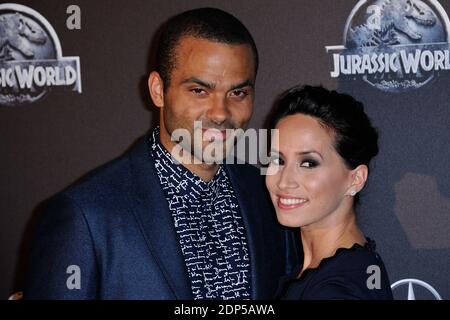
[(319, 163)]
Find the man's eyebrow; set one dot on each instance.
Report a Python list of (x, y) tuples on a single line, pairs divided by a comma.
[(246, 83), (199, 82)]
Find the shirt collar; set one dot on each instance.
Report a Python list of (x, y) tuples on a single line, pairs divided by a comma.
[(162, 156)]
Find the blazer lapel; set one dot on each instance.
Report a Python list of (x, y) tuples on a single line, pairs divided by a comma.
[(249, 211), (153, 214)]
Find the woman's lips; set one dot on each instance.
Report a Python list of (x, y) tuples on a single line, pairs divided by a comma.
[(287, 203), (214, 135)]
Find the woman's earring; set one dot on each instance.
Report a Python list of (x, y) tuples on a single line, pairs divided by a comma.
[(352, 193)]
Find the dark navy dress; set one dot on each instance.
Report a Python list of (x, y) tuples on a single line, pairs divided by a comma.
[(354, 273)]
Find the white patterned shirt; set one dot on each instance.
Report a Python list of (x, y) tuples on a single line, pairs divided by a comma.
[(209, 225)]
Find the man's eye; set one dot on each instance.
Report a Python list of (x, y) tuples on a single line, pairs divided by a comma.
[(239, 93), (198, 91)]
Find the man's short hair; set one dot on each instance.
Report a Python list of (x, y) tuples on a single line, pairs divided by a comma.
[(205, 23)]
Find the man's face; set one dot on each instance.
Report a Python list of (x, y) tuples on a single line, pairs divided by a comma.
[(212, 83)]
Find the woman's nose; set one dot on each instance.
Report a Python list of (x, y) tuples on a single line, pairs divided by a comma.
[(287, 179)]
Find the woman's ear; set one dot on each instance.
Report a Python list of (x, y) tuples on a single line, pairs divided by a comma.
[(359, 178), (156, 89)]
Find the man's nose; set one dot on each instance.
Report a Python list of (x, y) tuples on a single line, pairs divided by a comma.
[(218, 111)]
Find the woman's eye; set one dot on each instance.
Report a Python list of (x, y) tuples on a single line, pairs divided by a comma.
[(308, 164)]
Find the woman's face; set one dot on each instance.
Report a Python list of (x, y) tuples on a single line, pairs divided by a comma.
[(307, 179)]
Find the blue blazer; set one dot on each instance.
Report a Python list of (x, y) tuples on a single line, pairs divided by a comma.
[(116, 229)]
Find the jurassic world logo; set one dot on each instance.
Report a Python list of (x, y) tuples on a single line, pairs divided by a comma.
[(394, 45), (31, 61)]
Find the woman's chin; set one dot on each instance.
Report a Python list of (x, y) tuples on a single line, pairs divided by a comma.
[(288, 221)]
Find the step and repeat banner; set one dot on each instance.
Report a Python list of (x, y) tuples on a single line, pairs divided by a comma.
[(73, 95)]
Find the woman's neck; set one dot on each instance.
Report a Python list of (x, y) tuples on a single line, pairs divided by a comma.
[(320, 242)]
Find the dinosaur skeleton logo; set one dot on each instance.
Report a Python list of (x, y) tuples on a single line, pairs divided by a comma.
[(394, 45), (31, 60)]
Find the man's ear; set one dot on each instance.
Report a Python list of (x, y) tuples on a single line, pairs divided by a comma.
[(359, 178), (156, 89)]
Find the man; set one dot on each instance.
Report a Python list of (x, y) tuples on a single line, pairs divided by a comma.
[(151, 225)]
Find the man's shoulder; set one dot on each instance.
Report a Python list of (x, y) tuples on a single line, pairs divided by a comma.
[(103, 177), (110, 180)]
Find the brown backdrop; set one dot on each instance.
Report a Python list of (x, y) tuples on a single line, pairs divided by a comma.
[(47, 145)]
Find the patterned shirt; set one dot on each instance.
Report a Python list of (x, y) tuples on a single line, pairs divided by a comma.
[(209, 226)]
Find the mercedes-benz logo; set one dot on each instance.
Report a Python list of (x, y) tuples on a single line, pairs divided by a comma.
[(410, 282)]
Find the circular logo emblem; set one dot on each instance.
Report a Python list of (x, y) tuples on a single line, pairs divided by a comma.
[(399, 39), (31, 58), (415, 282)]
